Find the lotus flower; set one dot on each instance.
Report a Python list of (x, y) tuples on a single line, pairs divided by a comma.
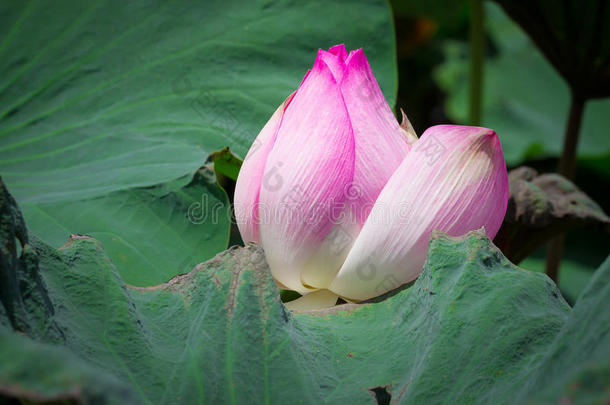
[(315, 170), (310, 188)]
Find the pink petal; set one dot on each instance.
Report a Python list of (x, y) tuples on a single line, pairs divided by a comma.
[(334, 62), (323, 265), (380, 144), (339, 50), (454, 179), (305, 176), (251, 174)]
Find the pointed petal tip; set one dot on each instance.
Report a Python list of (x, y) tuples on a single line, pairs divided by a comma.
[(356, 55), (322, 64), (319, 56), (332, 61), (407, 128), (339, 50)]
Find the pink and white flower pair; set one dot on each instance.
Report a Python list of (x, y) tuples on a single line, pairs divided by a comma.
[(341, 198)]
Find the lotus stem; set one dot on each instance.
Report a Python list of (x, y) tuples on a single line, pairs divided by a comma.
[(567, 166)]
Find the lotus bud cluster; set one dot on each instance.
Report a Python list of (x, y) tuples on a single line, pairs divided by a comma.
[(343, 199)]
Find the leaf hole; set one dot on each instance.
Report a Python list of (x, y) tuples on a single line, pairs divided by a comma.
[(381, 394)]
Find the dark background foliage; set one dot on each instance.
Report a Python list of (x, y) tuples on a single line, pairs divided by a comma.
[(525, 100)]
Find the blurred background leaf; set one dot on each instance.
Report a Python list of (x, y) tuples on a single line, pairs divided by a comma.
[(574, 36), (525, 100)]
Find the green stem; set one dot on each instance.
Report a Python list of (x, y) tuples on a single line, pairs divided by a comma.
[(567, 162), (477, 53), (567, 166)]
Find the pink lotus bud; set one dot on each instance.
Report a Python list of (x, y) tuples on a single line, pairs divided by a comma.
[(315, 170), (454, 179)]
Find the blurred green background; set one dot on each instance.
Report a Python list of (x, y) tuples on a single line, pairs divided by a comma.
[(524, 99)]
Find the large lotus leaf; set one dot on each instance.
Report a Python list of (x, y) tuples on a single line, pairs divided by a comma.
[(117, 96), (473, 328), (524, 99), (61, 378), (150, 233)]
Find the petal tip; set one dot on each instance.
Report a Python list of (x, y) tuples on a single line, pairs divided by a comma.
[(355, 56), (321, 65), (339, 50)]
